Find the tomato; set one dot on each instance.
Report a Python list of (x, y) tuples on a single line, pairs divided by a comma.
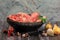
[(32, 19), (13, 17), (39, 20), (9, 33), (35, 14), (18, 15), (24, 17), (11, 29)]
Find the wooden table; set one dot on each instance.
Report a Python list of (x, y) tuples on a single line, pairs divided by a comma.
[(39, 37)]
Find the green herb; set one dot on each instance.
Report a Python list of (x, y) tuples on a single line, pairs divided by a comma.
[(43, 18)]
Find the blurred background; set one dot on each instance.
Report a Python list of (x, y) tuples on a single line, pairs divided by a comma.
[(49, 8)]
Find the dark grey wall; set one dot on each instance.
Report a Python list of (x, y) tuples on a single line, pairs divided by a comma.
[(44, 7)]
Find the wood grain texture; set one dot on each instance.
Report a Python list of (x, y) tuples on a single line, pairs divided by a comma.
[(4, 37)]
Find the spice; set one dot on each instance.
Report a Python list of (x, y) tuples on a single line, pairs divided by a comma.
[(50, 32)]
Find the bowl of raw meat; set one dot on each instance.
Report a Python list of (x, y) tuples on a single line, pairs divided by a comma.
[(24, 22)]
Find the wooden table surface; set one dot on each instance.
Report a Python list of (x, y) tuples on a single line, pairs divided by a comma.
[(39, 37)]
